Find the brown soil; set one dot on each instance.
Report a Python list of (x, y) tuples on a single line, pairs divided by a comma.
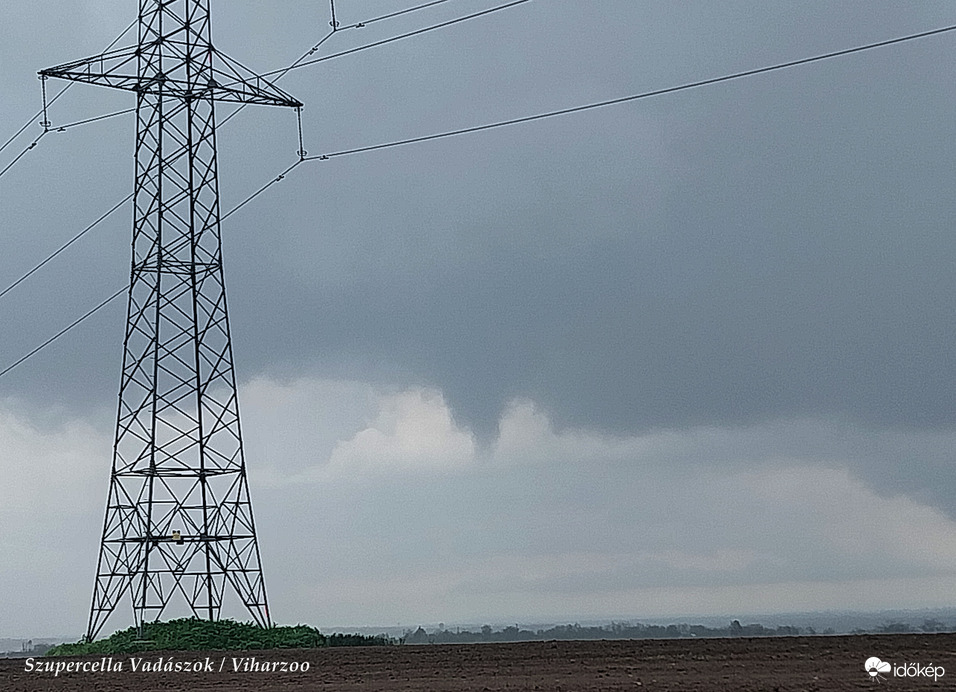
[(780, 663)]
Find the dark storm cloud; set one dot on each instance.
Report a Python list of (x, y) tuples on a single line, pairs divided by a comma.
[(774, 247)]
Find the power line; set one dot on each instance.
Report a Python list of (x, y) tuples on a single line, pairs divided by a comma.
[(62, 332), (634, 97), (262, 189), (359, 25), (30, 121), (64, 247), (400, 37), (23, 153), (67, 126)]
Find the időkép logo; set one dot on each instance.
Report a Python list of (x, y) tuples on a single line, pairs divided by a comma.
[(878, 670)]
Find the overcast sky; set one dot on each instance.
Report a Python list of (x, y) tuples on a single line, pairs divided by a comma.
[(687, 355)]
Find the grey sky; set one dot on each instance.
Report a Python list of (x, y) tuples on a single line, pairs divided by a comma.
[(550, 370)]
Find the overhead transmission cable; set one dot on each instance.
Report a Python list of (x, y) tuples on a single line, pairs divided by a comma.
[(65, 246), (633, 97), (62, 332), (358, 25), (400, 37), (262, 189), (23, 153), (67, 126), (394, 14), (513, 121)]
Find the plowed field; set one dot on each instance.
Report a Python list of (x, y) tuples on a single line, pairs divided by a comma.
[(784, 664)]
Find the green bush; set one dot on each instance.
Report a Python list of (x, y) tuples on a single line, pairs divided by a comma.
[(192, 634)]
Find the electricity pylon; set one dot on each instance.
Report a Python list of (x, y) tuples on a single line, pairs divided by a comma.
[(178, 518)]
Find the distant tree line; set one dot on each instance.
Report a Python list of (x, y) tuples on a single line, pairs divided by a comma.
[(626, 630), (931, 625)]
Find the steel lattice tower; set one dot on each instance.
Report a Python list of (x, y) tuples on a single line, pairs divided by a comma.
[(178, 518)]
